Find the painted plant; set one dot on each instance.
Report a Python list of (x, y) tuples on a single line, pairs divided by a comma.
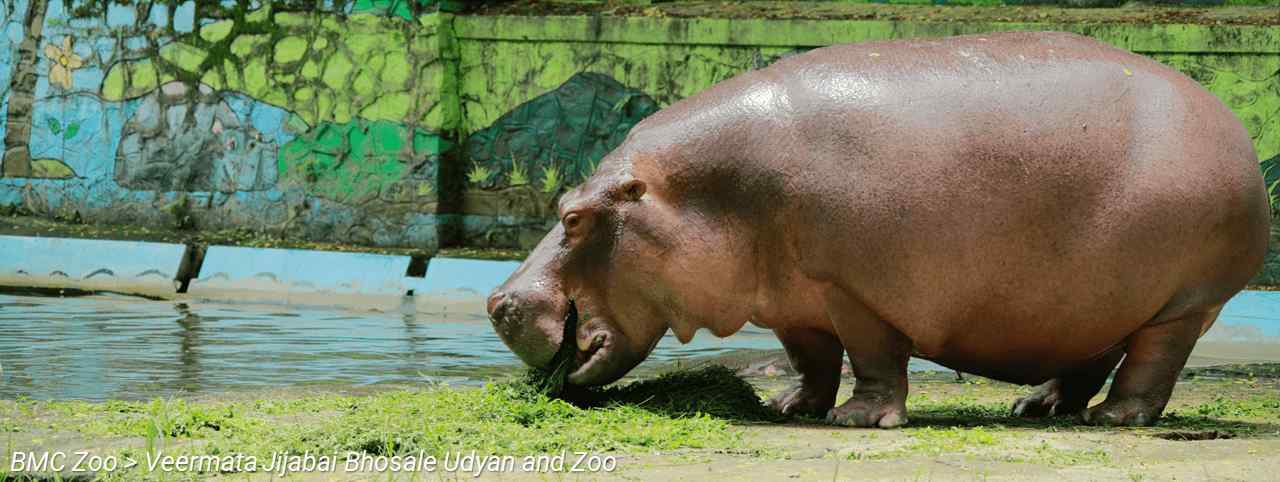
[(62, 61)]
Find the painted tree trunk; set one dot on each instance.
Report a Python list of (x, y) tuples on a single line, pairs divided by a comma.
[(22, 93)]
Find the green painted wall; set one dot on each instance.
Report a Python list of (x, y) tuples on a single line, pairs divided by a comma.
[(321, 66), (509, 60)]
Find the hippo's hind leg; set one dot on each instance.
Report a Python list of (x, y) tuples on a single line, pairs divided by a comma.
[(879, 354), (816, 355), (1154, 356), (1069, 394)]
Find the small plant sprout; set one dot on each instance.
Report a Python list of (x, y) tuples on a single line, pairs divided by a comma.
[(590, 168), (479, 174), (551, 178), (519, 176)]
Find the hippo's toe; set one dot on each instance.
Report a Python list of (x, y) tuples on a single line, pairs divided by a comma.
[(800, 400), (1034, 405), (869, 412), (1047, 400)]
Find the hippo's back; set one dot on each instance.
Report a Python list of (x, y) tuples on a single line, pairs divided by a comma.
[(1011, 197)]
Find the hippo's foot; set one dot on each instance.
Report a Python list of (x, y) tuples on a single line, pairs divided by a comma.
[(816, 355), (804, 400), (1130, 412), (879, 355), (1070, 394), (1047, 401), (869, 410)]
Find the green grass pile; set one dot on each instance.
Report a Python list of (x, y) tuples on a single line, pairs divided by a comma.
[(712, 390)]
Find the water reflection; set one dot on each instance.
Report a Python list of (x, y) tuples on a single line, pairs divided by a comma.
[(188, 358), (102, 347)]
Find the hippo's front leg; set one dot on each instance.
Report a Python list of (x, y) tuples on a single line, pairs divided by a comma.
[(879, 354), (815, 354)]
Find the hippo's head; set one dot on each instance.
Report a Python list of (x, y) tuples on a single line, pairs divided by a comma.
[(608, 266)]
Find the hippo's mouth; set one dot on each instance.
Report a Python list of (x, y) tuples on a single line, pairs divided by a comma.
[(585, 349)]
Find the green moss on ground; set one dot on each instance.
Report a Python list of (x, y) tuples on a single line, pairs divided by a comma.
[(501, 418), (708, 411)]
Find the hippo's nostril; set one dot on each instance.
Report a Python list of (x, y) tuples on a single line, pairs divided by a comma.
[(495, 301)]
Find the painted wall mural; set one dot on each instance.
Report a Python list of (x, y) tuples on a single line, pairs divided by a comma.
[(1249, 84), (390, 122), (557, 137), (311, 119), (176, 141), (507, 60), (520, 164)]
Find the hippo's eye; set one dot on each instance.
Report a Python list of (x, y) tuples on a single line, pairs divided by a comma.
[(571, 220), (576, 225)]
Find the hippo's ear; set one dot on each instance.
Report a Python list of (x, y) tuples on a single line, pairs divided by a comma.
[(632, 190)]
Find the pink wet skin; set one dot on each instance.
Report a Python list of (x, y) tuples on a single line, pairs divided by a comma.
[(1030, 207)]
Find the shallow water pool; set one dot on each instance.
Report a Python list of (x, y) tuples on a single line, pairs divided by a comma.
[(116, 347)]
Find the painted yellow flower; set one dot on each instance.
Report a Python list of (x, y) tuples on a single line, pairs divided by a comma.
[(64, 61)]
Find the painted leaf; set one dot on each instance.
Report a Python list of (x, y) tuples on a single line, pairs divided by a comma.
[(1271, 177), (296, 124), (51, 169), (54, 126), (71, 131)]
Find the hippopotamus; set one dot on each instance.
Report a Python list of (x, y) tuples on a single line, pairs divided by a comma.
[(1036, 208)]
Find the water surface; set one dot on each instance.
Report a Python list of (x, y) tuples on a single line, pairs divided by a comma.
[(116, 347)]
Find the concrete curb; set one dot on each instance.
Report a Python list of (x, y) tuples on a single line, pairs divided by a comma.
[(130, 267), (300, 277), (458, 285), (452, 286)]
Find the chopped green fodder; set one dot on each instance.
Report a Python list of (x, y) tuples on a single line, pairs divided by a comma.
[(712, 390), (553, 382)]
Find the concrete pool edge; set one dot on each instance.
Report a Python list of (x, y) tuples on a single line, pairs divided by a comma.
[(297, 277), (233, 274), (131, 267)]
